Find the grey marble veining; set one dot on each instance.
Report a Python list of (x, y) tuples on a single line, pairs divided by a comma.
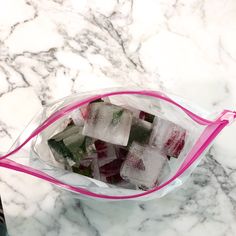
[(49, 49)]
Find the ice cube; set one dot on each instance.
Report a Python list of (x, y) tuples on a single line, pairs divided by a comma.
[(70, 146), (168, 137), (140, 131), (105, 152), (80, 115), (59, 151), (143, 166), (88, 166), (108, 122), (110, 173)]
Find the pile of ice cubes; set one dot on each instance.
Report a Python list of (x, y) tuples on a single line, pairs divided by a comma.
[(118, 146)]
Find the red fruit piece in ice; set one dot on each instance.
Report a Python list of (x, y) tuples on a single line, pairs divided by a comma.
[(135, 162), (111, 168), (175, 143), (121, 152), (101, 148)]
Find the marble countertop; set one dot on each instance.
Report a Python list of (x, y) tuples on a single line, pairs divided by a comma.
[(51, 48)]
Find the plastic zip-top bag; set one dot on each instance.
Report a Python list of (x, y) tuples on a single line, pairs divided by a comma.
[(117, 143)]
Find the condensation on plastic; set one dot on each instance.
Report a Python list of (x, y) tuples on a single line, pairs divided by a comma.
[(52, 118)]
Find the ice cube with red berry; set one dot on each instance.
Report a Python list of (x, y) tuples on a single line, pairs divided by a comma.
[(105, 152), (143, 166), (168, 137)]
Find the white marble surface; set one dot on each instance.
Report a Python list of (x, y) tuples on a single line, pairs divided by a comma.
[(49, 49)]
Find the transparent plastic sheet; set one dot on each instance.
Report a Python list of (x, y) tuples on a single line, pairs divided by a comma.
[(52, 119)]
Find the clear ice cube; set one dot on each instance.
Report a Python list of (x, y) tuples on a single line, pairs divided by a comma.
[(143, 166), (105, 152), (140, 131), (108, 122), (110, 173), (168, 137), (70, 146), (88, 166)]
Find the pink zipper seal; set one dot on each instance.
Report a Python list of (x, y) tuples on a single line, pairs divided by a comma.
[(229, 116)]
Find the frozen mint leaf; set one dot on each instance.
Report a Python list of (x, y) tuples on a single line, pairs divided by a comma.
[(140, 132), (116, 117), (60, 148)]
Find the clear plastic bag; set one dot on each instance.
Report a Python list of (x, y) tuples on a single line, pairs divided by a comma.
[(32, 143)]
